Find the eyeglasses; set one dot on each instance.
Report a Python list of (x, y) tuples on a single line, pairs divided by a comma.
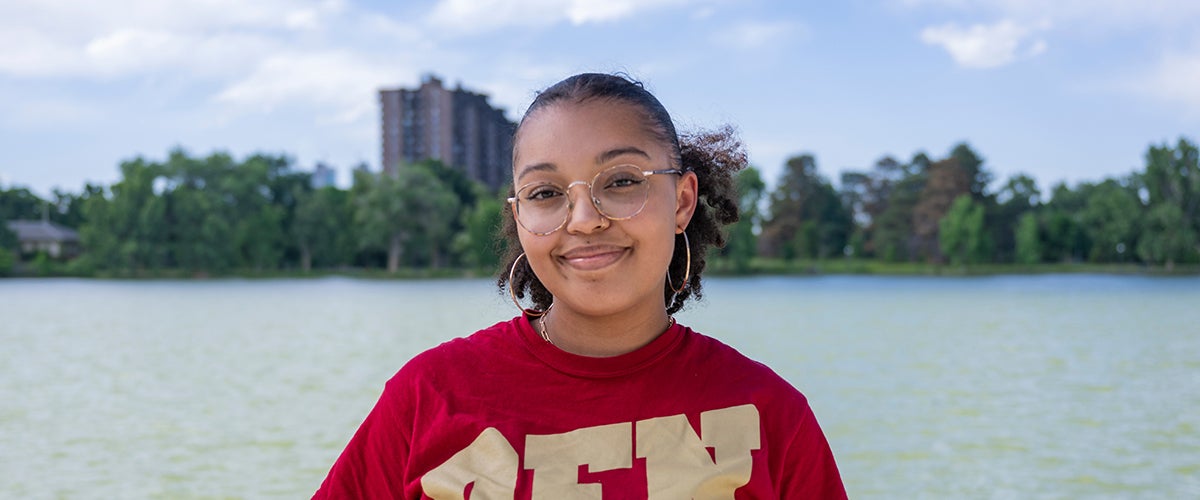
[(618, 193)]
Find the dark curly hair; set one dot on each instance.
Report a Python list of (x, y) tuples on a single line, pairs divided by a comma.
[(715, 156)]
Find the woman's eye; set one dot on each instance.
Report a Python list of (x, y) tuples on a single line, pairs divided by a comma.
[(543, 193), (622, 182)]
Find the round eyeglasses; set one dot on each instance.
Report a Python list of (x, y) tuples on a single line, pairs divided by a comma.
[(618, 193)]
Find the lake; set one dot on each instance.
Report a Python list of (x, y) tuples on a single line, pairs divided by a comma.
[(1058, 386)]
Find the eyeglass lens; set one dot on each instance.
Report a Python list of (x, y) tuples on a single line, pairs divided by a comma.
[(618, 193)]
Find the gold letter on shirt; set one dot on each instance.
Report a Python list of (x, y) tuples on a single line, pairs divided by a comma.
[(555, 459), (678, 464), (489, 462)]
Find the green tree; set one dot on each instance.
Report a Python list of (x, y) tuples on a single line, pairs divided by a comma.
[(201, 241), (1028, 241), (1065, 239), (439, 208), (742, 243), (20, 203), (201, 212), (1172, 184), (867, 195), (1111, 220), (8, 239), (882, 201), (978, 177), (961, 232), (807, 218), (130, 229), (67, 208), (285, 185), (257, 222), (17, 203), (1018, 196), (945, 181), (469, 194), (1172, 176), (479, 242), (8, 260), (1167, 239), (398, 213), (259, 237), (891, 236), (96, 236), (321, 226)]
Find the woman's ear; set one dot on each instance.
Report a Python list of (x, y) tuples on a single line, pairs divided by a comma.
[(687, 192)]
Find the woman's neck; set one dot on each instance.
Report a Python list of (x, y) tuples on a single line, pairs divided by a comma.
[(602, 336)]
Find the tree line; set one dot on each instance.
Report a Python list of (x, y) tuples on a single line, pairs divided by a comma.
[(216, 215), (944, 211)]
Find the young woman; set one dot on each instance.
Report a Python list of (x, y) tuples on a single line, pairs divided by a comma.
[(595, 391)]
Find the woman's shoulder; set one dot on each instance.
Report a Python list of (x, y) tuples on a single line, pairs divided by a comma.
[(733, 368), (717, 351), (463, 352)]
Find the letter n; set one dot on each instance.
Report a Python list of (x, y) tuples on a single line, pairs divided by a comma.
[(678, 464)]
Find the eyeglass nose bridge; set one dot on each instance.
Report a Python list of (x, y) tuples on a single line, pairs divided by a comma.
[(590, 196)]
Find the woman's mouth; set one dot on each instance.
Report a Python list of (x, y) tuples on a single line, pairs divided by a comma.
[(592, 258)]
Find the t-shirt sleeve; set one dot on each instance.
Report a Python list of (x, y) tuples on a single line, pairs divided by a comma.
[(373, 463), (810, 471)]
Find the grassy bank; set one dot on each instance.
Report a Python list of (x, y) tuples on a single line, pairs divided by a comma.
[(877, 267), (716, 267)]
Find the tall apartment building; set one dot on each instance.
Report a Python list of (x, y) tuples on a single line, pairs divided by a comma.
[(323, 175), (455, 126)]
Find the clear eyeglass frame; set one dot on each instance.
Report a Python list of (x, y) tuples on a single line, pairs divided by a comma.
[(515, 201)]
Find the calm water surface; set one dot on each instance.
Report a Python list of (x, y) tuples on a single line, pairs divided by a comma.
[(1004, 387)]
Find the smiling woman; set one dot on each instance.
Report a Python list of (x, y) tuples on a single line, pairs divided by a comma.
[(595, 391)]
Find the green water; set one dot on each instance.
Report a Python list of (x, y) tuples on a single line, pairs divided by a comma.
[(1005, 387)]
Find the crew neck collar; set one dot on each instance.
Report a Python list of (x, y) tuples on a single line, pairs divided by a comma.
[(593, 367)]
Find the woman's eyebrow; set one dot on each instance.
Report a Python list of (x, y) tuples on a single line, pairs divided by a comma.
[(536, 167), (607, 156)]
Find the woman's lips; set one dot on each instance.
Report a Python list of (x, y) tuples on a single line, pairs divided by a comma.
[(592, 258)]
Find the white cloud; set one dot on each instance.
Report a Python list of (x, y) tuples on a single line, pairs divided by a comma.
[(133, 49), (986, 46), (758, 34), (704, 12), (1088, 14), (71, 38), (339, 81), (26, 52), (1167, 23), (236, 46), (1176, 80), (477, 16)]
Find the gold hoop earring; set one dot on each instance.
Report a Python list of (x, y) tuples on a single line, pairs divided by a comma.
[(687, 269), (512, 293)]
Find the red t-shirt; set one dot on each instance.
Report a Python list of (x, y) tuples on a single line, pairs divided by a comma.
[(503, 414)]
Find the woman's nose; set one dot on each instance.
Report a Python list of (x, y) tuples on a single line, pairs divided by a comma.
[(582, 214)]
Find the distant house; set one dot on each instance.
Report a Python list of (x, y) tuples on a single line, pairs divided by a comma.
[(44, 236)]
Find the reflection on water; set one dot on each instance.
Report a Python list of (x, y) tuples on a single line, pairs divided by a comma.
[(1007, 387)]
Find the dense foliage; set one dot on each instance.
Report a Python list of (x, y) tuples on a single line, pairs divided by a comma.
[(943, 211), (216, 215)]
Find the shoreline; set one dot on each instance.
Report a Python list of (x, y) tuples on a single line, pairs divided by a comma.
[(758, 267)]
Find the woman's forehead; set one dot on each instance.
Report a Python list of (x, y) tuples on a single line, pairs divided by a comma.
[(592, 132), (625, 155)]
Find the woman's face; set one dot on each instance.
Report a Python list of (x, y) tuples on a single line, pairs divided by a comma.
[(594, 265)]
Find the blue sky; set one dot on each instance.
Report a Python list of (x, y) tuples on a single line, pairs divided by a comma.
[(1070, 90)]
